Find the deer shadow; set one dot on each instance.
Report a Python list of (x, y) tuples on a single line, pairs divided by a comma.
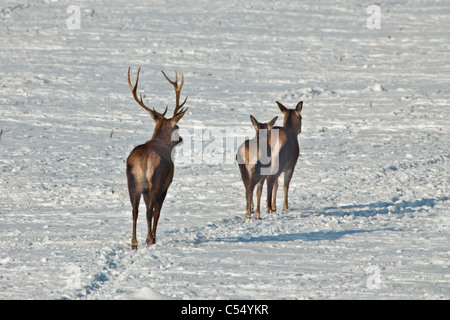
[(287, 237), (382, 207), (307, 236), (362, 210)]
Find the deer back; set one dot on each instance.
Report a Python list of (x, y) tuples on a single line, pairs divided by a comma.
[(150, 165)]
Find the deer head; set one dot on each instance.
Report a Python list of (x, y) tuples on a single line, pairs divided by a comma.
[(265, 126), (166, 129), (292, 117)]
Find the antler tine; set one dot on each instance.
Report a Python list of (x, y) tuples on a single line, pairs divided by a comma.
[(174, 83), (133, 90), (165, 111), (177, 93)]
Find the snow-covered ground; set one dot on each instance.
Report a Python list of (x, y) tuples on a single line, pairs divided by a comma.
[(369, 200)]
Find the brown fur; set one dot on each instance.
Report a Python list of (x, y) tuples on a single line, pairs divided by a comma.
[(249, 161), (150, 167)]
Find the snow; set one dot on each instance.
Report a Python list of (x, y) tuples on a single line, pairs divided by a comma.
[(369, 200)]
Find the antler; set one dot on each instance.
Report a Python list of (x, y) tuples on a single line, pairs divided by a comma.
[(178, 107), (139, 100)]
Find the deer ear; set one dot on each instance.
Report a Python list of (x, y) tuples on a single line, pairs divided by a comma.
[(254, 122), (272, 122), (282, 108), (299, 107)]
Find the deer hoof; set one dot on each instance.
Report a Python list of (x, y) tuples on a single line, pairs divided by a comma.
[(134, 247)]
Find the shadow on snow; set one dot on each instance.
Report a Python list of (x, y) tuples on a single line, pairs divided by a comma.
[(380, 207), (307, 236), (363, 210)]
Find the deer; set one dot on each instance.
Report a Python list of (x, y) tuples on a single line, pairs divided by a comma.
[(252, 164), (150, 166), (285, 153)]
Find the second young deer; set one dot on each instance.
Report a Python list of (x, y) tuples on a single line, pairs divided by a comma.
[(253, 156), (285, 152)]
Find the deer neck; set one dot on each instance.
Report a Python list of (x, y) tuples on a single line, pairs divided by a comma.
[(162, 132), (161, 136), (263, 137), (292, 125), (166, 138)]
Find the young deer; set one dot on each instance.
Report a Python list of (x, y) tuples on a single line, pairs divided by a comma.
[(285, 152), (253, 156), (149, 166)]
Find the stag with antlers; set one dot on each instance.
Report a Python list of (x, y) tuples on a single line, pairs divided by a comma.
[(150, 167)]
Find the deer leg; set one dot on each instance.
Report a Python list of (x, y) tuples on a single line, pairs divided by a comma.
[(157, 212), (258, 199), (274, 197), (135, 204), (249, 196), (149, 203), (270, 182), (287, 180), (248, 190)]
